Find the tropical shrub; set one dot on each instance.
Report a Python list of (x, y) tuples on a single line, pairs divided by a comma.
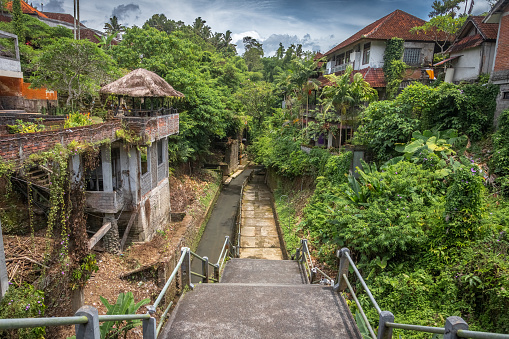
[(125, 305), (77, 119), (23, 302), (500, 159)]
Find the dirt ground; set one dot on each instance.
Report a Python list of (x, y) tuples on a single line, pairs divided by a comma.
[(185, 191)]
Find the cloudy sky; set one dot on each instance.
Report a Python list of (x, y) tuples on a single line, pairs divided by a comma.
[(317, 24)]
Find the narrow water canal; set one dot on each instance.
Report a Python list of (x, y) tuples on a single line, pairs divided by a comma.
[(221, 222)]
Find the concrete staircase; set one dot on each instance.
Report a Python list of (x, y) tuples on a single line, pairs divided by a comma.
[(261, 299)]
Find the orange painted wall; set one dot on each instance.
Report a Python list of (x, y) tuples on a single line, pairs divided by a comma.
[(15, 87), (11, 87), (38, 93)]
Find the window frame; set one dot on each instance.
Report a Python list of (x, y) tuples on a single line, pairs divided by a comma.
[(415, 56), (366, 53)]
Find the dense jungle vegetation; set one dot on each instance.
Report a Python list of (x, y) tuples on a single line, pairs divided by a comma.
[(426, 220)]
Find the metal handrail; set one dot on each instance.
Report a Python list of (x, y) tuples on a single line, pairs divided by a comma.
[(454, 326), (480, 335), (368, 292), (152, 308), (418, 328), (10, 324), (303, 253), (366, 321)]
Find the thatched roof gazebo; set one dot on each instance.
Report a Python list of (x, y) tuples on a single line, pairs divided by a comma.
[(141, 83)]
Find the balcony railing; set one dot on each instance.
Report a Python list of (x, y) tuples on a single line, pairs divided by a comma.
[(338, 68), (144, 113)]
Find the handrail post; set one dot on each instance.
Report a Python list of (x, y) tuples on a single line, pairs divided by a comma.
[(149, 328), (385, 332), (452, 325), (237, 250), (344, 263), (185, 269), (205, 270), (90, 330), (216, 273)]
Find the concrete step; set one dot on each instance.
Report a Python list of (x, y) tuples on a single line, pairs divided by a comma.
[(261, 311), (260, 271)]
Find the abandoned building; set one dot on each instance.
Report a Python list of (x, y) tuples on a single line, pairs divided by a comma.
[(127, 194)]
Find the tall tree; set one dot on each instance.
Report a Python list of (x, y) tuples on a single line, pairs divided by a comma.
[(18, 21), (113, 26), (253, 54), (73, 67)]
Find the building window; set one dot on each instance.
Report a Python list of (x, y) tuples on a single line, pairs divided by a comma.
[(144, 157), (94, 178), (365, 53), (412, 56), (506, 95), (348, 56), (340, 59), (160, 152)]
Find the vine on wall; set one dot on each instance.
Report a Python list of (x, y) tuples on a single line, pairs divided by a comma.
[(393, 65)]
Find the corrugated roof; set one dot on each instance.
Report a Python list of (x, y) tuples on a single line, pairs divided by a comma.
[(396, 24), (26, 8), (445, 60)]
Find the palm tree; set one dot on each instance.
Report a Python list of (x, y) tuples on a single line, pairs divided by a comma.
[(114, 26), (345, 95)]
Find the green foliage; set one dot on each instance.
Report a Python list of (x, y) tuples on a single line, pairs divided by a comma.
[(468, 109), (441, 27), (73, 67), (337, 167), (500, 159), (464, 205), (346, 94), (77, 119), (393, 65), (383, 125), (26, 126), (431, 143), (18, 19), (125, 305), (393, 79), (84, 271), (23, 302)]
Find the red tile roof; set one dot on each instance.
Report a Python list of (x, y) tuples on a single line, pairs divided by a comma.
[(374, 76), (489, 31), (64, 17), (466, 43), (26, 8), (396, 24), (484, 32)]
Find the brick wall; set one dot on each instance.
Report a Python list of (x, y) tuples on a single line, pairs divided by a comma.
[(502, 60), (19, 147), (104, 202), (153, 129)]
